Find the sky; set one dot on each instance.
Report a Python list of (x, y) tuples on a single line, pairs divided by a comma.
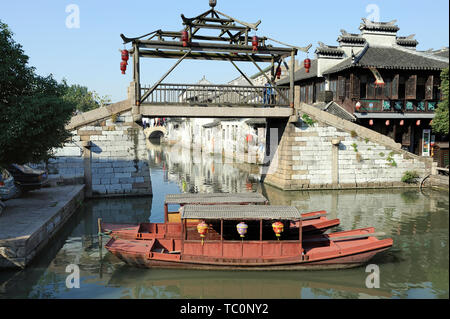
[(86, 51)]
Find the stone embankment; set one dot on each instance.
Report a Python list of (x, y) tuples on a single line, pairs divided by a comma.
[(319, 150), (28, 223)]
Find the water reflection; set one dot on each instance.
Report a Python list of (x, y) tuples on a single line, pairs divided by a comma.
[(415, 267)]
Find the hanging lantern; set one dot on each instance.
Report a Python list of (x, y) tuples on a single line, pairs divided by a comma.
[(278, 73), (123, 66), (402, 122), (371, 122), (242, 229), (418, 122), (125, 55), (358, 106), (202, 229), (184, 38), (278, 229), (249, 138), (255, 42), (388, 122), (307, 64), (431, 122)]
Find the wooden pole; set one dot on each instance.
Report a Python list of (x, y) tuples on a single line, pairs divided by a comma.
[(150, 91), (268, 79), (136, 73), (291, 79), (166, 213), (100, 243)]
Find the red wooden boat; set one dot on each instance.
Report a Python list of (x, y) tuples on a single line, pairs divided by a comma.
[(313, 222), (216, 244)]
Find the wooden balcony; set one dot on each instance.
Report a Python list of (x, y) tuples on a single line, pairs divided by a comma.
[(398, 106), (217, 95)]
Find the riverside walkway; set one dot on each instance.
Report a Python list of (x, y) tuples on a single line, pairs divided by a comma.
[(29, 222)]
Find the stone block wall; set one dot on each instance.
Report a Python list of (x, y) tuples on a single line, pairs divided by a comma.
[(334, 153), (117, 162)]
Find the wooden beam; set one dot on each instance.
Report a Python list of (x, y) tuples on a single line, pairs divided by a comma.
[(136, 74), (268, 79), (245, 77), (217, 27), (203, 56), (214, 47), (253, 26), (150, 91), (291, 79)]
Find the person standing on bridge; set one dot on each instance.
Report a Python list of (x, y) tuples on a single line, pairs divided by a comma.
[(267, 93)]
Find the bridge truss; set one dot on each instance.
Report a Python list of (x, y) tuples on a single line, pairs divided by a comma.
[(233, 43)]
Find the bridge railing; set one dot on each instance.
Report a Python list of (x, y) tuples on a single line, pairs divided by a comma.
[(210, 94)]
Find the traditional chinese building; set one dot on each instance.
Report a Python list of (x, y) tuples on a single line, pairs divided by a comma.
[(379, 80)]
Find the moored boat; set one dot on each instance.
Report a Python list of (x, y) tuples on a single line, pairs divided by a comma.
[(312, 222), (217, 243)]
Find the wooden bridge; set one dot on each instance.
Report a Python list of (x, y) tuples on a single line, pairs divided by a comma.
[(232, 44)]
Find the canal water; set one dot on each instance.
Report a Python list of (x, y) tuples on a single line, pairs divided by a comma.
[(417, 266)]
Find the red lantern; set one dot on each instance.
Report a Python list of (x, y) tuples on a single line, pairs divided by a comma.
[(255, 42), (402, 122), (307, 64), (278, 228), (185, 38), (371, 122), (123, 66), (249, 138), (388, 122), (418, 122), (125, 55), (278, 73), (358, 106)]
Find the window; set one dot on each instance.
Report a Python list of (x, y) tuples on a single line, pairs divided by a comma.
[(333, 87), (363, 86), (303, 94), (387, 88), (310, 93)]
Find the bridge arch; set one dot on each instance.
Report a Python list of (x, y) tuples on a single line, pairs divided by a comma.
[(155, 133)]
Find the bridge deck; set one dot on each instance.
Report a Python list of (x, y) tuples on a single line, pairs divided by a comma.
[(149, 110)]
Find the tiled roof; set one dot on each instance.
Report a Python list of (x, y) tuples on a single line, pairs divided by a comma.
[(335, 109), (441, 53), (212, 124), (351, 38), (240, 212), (301, 74), (329, 50), (379, 26), (407, 41), (391, 58), (214, 198), (256, 121)]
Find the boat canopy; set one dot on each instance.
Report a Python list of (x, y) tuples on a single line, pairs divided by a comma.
[(240, 212), (215, 198)]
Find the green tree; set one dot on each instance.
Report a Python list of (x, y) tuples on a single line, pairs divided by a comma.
[(83, 99), (33, 112), (440, 121)]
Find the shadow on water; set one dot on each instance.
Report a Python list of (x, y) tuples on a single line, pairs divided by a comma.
[(164, 283)]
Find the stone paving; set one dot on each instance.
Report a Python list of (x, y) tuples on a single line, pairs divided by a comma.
[(28, 222)]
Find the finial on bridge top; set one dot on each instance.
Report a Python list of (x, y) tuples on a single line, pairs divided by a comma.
[(212, 3)]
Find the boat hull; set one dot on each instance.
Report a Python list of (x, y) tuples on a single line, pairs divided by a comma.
[(319, 254)]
